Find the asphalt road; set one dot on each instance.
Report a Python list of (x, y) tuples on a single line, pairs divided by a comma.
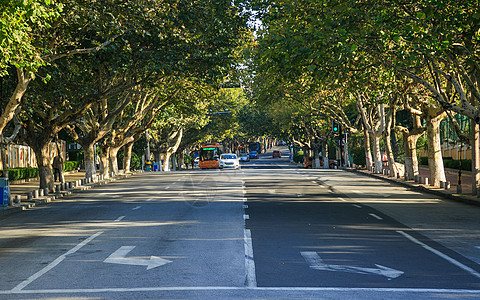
[(267, 231)]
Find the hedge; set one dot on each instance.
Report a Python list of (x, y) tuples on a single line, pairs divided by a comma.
[(298, 157), (70, 165), (25, 173), (22, 173), (450, 163)]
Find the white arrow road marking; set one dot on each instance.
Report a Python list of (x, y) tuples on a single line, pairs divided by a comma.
[(118, 257), (317, 263)]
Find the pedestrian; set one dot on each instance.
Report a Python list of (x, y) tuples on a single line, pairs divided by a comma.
[(57, 167), (192, 161)]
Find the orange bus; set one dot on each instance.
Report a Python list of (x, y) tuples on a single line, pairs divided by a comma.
[(209, 155)]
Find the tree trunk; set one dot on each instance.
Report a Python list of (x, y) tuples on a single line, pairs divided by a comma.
[(104, 153), (435, 160), (388, 148), (411, 160), (166, 161), (377, 154), (3, 155), (368, 151), (44, 163), (325, 154), (89, 160), (113, 160), (127, 156)]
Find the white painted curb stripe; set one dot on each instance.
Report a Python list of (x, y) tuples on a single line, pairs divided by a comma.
[(251, 280), (55, 262), (444, 256)]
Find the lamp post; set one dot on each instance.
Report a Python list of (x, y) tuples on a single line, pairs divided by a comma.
[(459, 184)]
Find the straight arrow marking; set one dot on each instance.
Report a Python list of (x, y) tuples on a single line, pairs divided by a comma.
[(119, 257), (316, 263)]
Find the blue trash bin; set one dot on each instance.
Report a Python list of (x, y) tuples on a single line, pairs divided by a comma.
[(4, 191), (155, 167)]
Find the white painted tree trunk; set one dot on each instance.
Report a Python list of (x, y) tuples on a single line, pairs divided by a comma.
[(368, 150), (127, 156), (435, 159), (89, 160), (113, 160), (377, 154)]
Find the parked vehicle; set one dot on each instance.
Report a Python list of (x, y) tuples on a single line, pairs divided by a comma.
[(229, 160)]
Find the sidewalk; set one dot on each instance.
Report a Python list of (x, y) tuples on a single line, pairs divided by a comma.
[(451, 193), (22, 189)]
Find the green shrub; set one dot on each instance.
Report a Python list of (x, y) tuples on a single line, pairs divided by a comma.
[(455, 164), (22, 173), (70, 165), (423, 160), (298, 156), (135, 162)]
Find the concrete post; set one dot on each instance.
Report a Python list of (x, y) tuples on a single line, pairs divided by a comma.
[(29, 196), (442, 184), (18, 199), (40, 192), (426, 181), (35, 194), (447, 185), (45, 191)]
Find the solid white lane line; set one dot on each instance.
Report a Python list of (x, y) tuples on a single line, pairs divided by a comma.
[(119, 219), (251, 280), (376, 217), (442, 255), (135, 208), (357, 206), (246, 217), (233, 288), (341, 199), (54, 263), (245, 206)]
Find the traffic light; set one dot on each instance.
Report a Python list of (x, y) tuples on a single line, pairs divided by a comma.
[(335, 126)]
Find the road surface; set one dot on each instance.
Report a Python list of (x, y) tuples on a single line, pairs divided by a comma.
[(267, 231)]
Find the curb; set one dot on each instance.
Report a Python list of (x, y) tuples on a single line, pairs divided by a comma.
[(419, 188)]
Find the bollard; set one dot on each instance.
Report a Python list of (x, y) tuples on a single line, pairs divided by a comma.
[(57, 188), (447, 185), (40, 192), (10, 200), (425, 181), (459, 189), (416, 178), (420, 180), (36, 194), (398, 175), (70, 185), (29, 196), (18, 199), (442, 184), (45, 191)]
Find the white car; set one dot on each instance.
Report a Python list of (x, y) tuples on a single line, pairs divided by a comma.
[(229, 160)]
